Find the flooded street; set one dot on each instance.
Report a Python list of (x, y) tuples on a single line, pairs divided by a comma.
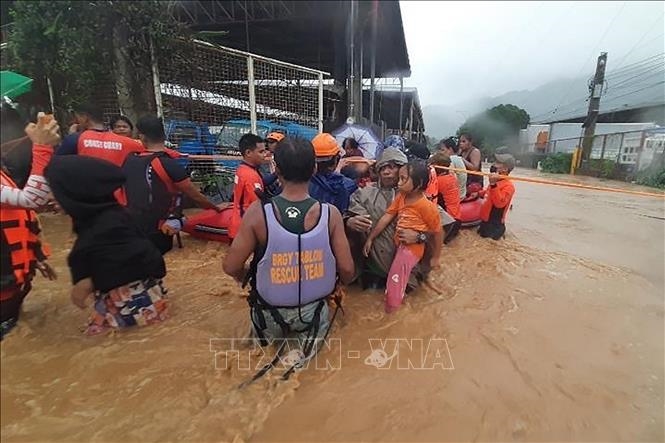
[(554, 334)]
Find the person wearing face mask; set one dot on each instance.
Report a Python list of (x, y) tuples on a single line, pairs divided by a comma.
[(498, 196)]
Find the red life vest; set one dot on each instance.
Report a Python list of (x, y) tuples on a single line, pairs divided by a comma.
[(21, 246)]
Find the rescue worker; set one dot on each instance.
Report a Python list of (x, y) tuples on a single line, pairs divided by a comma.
[(95, 140), (498, 197), (271, 142), (299, 250), (270, 182), (327, 185), (447, 194), (248, 180), (155, 185), (22, 250)]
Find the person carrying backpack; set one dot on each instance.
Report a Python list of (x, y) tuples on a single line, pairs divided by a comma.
[(155, 184)]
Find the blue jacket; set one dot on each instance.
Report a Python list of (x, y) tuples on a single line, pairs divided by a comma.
[(333, 188)]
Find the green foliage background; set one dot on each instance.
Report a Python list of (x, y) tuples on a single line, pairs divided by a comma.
[(496, 126), (72, 42)]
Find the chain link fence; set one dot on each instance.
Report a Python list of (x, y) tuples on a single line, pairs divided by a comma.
[(212, 95)]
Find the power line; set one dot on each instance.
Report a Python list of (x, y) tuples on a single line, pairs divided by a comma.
[(645, 69), (637, 66), (640, 40), (644, 75), (640, 66), (573, 113), (637, 71), (638, 62), (579, 100), (639, 90), (578, 112), (591, 55)]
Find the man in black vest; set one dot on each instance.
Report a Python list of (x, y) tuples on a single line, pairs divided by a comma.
[(155, 184)]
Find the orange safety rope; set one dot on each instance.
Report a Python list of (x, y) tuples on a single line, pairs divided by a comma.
[(558, 183), (507, 177)]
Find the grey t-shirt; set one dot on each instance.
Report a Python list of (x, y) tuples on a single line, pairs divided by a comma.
[(457, 162)]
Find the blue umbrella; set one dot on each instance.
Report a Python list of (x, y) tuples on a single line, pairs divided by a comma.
[(368, 142)]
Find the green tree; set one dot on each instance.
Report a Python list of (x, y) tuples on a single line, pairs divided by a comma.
[(80, 45), (496, 126)]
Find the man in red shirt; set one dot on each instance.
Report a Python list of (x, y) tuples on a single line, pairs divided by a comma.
[(499, 194), (248, 178), (95, 140)]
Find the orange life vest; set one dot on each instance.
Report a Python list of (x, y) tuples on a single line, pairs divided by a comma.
[(432, 189), (21, 247)]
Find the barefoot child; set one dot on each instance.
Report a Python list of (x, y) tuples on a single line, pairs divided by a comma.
[(413, 211), (112, 261)]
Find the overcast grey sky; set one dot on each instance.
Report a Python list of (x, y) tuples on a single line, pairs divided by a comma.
[(464, 50)]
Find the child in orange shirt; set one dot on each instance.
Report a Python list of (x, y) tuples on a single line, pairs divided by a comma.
[(413, 211)]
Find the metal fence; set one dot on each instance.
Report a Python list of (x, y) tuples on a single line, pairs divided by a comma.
[(616, 155), (213, 84), (211, 95), (621, 147)]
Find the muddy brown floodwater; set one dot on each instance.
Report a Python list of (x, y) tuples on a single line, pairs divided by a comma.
[(554, 334)]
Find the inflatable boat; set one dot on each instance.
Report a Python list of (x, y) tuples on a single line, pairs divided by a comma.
[(209, 225), (470, 212)]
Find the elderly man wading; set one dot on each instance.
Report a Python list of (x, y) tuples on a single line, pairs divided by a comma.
[(366, 207)]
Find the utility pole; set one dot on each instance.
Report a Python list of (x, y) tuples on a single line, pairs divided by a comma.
[(351, 83), (594, 105), (375, 18)]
